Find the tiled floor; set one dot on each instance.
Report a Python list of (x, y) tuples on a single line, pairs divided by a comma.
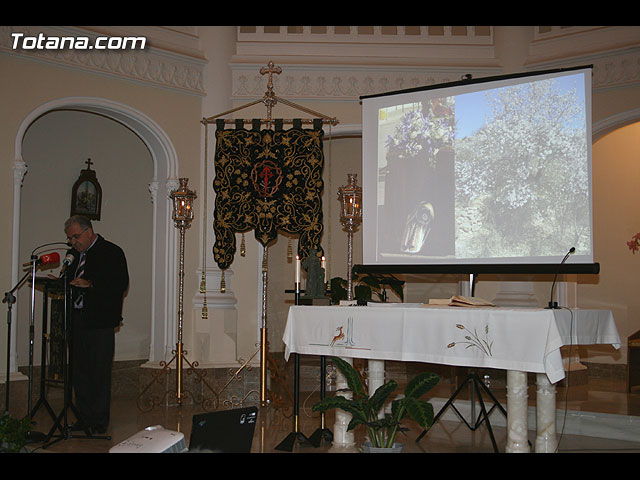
[(602, 403)]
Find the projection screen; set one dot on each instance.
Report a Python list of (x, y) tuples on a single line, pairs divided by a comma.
[(488, 171)]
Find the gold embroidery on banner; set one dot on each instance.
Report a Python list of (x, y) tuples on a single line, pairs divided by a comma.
[(267, 181)]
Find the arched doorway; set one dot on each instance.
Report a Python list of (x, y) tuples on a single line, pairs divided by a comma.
[(164, 179), (616, 176)]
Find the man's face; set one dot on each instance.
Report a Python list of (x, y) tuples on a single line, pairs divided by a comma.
[(79, 239)]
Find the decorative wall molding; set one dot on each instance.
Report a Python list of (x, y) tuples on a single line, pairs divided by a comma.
[(615, 69), (151, 66), (342, 83), (368, 44), (554, 43), (438, 34), (619, 70), (344, 65)]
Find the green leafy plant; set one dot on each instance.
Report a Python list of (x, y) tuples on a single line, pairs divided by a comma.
[(13, 433), (365, 409), (365, 286)]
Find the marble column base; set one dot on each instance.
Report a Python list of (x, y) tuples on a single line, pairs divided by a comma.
[(343, 439), (376, 377), (517, 424), (546, 440)]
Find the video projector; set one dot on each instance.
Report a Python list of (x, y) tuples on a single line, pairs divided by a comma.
[(154, 439)]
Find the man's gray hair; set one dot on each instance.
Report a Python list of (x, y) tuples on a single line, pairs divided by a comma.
[(81, 220)]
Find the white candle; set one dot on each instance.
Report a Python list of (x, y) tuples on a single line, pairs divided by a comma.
[(297, 269), (323, 264)]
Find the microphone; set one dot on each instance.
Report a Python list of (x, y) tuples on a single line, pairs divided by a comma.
[(45, 259), (68, 260), (552, 304)]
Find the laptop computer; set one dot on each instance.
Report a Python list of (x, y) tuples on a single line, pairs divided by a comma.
[(224, 431)]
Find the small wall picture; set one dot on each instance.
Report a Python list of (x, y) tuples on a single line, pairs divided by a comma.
[(86, 196)]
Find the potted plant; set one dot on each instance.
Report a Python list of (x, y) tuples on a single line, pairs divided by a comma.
[(365, 409), (365, 286), (13, 433)]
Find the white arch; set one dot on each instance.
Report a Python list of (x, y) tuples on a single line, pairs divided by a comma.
[(613, 122), (165, 171)]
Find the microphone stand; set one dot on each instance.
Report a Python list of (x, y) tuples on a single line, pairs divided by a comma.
[(32, 436), (10, 299), (554, 305)]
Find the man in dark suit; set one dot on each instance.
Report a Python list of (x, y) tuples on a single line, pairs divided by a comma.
[(99, 279)]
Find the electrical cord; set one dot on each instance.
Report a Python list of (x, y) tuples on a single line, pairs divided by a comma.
[(567, 378), (329, 373)]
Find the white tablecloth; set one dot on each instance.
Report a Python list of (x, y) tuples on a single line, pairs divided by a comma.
[(522, 339)]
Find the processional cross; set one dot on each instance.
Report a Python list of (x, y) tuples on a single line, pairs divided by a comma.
[(269, 97)]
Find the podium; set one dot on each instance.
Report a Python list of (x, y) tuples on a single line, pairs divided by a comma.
[(53, 290), (53, 328)]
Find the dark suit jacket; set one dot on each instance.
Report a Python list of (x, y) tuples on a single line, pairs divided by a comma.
[(106, 267)]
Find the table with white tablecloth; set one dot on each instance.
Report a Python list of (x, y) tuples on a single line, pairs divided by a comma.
[(517, 340)]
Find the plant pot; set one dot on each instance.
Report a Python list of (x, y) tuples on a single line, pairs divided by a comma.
[(368, 448)]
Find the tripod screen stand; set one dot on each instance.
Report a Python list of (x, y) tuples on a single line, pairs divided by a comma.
[(477, 386)]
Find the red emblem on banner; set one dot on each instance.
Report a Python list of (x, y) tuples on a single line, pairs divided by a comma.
[(266, 177)]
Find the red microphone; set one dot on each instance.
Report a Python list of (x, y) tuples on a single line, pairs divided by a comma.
[(46, 259), (49, 258)]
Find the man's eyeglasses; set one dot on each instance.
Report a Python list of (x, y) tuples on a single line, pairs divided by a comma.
[(75, 236)]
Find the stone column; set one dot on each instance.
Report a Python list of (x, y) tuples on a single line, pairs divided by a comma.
[(546, 441), (517, 427), (343, 440)]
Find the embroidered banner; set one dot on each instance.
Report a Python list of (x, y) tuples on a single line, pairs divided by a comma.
[(267, 181)]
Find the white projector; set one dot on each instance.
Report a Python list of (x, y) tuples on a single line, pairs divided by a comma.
[(154, 439)]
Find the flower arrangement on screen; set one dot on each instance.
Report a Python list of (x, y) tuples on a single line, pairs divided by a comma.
[(634, 243), (424, 131)]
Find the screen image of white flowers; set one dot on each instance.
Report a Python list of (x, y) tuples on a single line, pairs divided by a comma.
[(474, 340)]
